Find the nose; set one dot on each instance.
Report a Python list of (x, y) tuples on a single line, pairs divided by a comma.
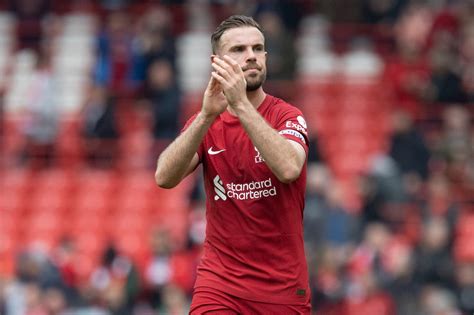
[(250, 55)]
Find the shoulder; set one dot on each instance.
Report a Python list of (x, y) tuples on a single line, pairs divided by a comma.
[(282, 109), (282, 106)]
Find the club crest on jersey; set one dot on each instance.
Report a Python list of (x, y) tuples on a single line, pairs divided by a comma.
[(258, 157)]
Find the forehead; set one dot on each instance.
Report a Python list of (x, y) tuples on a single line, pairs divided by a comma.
[(246, 36)]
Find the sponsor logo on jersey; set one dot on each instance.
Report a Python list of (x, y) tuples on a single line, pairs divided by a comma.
[(244, 191), (292, 132), (212, 152), (219, 189), (296, 126), (302, 122)]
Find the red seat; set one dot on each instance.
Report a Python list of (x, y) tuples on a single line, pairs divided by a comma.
[(90, 243), (49, 201), (56, 180), (86, 223), (69, 144), (98, 181), (465, 224), (90, 202), (134, 245), (128, 223), (12, 202), (464, 248), (13, 141), (349, 165), (17, 180)]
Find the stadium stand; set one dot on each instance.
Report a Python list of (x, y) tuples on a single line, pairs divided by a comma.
[(389, 210)]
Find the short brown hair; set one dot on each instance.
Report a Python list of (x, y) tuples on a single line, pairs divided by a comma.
[(233, 21)]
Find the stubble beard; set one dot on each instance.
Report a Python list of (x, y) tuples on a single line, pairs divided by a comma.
[(254, 83)]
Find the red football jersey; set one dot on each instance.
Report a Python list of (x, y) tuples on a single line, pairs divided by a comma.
[(254, 236)]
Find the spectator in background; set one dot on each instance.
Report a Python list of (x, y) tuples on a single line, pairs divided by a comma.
[(158, 271), (280, 44), (168, 274), (434, 263), (367, 271), (114, 4), (454, 146), (100, 128), (174, 301), (445, 84), (467, 59), (464, 272), (153, 41), (319, 178), (63, 259), (34, 272), (436, 300), (115, 283), (439, 201), (340, 227), (114, 54), (41, 112), (382, 11), (407, 146), (328, 279), (30, 14), (281, 57), (163, 97), (381, 192), (53, 301), (407, 73), (400, 265)]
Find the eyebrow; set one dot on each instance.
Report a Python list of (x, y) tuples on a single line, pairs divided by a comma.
[(243, 46)]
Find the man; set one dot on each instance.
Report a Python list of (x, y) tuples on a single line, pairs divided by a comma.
[(253, 149)]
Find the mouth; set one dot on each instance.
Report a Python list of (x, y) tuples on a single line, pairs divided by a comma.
[(251, 68)]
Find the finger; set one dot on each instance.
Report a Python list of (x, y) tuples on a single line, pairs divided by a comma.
[(214, 85), (211, 83), (224, 64), (219, 78), (232, 63), (223, 72)]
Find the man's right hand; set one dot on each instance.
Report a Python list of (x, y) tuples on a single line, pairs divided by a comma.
[(214, 102)]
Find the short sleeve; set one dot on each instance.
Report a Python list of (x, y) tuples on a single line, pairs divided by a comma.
[(186, 126), (292, 125)]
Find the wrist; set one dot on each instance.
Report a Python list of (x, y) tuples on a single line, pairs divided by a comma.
[(206, 118), (241, 107)]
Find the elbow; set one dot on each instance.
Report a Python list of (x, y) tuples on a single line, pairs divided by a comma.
[(290, 175), (163, 182)]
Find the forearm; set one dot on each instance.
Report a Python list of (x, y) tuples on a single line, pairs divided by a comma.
[(279, 154), (175, 161)]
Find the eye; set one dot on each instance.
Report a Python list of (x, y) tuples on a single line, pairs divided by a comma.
[(238, 49)]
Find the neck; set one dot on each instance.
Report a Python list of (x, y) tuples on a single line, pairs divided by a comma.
[(256, 97)]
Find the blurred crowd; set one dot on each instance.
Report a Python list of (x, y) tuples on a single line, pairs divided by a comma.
[(406, 250)]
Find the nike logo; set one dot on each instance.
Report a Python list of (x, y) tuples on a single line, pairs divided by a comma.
[(212, 152)]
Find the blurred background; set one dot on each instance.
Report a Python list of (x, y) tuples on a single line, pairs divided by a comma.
[(92, 91)]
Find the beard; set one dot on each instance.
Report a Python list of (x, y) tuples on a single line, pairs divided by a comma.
[(255, 82)]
